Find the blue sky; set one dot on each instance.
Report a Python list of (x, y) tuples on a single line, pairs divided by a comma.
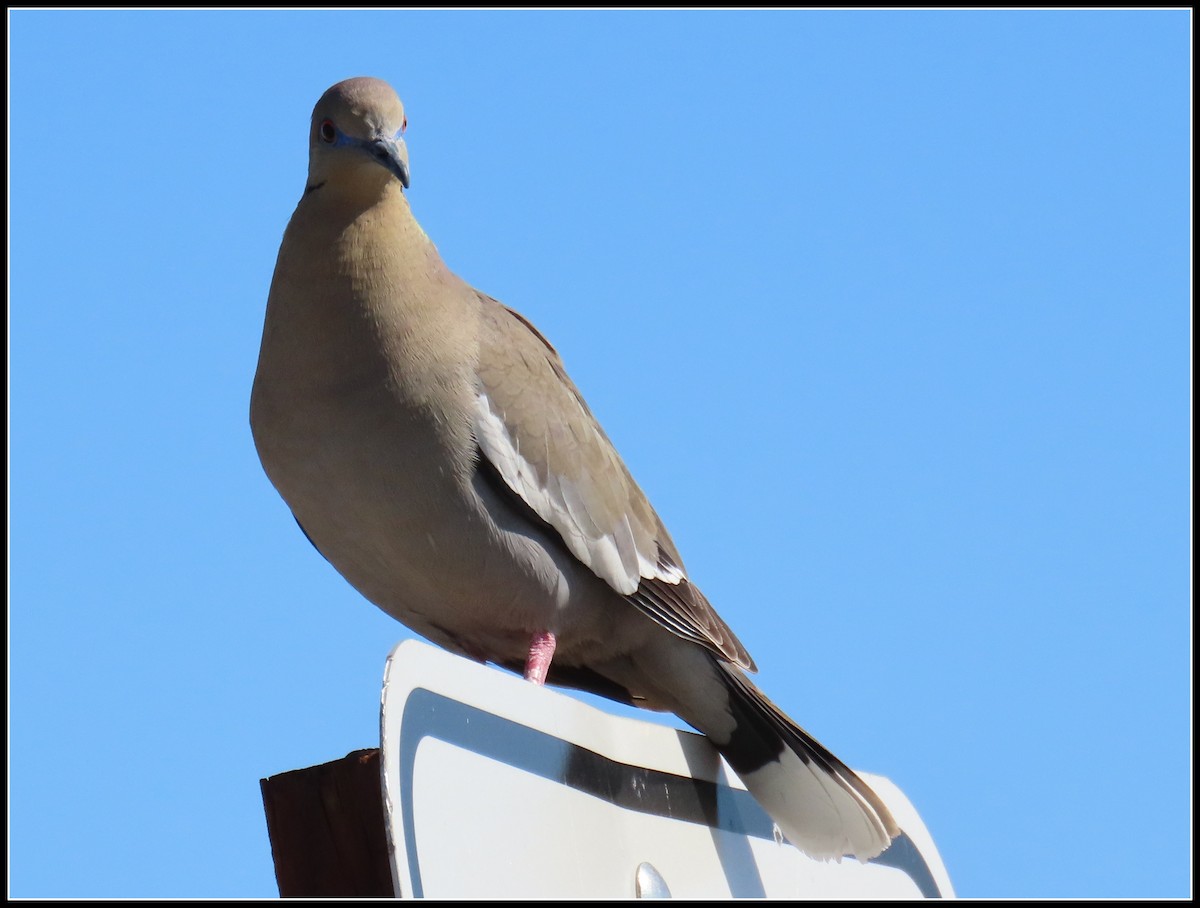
[(888, 312)]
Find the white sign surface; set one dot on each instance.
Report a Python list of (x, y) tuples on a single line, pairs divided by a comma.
[(496, 788)]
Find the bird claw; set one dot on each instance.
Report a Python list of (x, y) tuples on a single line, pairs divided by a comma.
[(541, 651)]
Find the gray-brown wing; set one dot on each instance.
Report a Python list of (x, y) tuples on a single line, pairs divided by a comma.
[(536, 431)]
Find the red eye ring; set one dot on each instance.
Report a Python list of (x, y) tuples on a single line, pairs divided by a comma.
[(404, 126), (327, 131)]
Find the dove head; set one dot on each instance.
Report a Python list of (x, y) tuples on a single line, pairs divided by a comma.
[(356, 134)]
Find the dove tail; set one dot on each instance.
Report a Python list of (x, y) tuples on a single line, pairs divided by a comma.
[(822, 807)]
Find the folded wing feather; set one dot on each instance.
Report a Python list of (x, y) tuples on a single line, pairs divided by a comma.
[(534, 428)]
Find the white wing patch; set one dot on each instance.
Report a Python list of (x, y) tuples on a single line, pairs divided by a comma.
[(612, 554), (668, 573)]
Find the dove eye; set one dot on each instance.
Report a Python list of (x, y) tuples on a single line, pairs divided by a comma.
[(327, 132)]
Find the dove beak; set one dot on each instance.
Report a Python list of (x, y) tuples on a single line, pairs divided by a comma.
[(392, 153)]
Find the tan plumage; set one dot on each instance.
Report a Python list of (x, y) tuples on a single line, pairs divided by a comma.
[(431, 445)]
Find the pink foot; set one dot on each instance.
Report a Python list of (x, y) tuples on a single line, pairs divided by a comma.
[(541, 651)]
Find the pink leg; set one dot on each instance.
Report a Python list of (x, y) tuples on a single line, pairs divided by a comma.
[(541, 651)]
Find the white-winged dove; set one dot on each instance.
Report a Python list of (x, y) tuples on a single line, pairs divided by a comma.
[(432, 447)]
